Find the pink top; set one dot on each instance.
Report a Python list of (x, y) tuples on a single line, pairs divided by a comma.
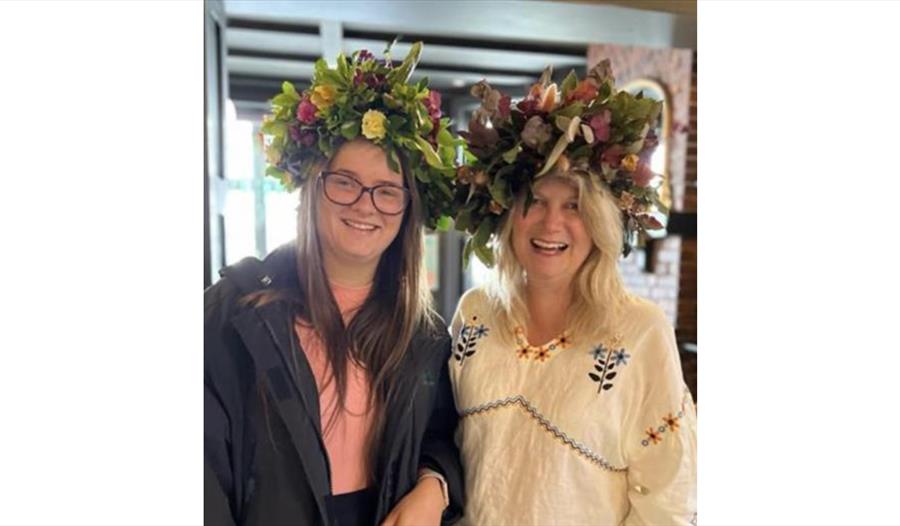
[(345, 439)]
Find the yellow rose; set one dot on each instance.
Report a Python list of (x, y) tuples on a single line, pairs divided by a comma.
[(323, 97), (373, 124), (630, 162)]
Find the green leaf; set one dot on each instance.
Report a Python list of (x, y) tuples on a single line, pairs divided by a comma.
[(510, 155), (483, 234), (499, 191), (401, 74), (330, 76), (485, 254), (343, 68), (571, 111), (444, 223), (569, 83), (272, 171), (285, 99), (350, 130), (463, 220), (275, 128), (445, 138), (288, 88), (431, 157), (395, 122), (467, 252)]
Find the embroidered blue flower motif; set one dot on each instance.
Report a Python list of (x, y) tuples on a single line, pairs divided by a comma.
[(465, 331), (598, 352), (480, 331), (621, 357)]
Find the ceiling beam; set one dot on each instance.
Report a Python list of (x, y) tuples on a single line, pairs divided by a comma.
[(537, 21)]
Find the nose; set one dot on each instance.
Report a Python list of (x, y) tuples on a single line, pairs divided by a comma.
[(553, 218), (365, 204)]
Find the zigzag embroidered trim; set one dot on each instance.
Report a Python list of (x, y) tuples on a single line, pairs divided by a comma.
[(547, 425)]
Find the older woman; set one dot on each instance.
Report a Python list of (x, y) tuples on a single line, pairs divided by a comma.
[(573, 407)]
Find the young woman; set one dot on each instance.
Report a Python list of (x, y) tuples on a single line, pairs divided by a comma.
[(327, 399), (573, 407)]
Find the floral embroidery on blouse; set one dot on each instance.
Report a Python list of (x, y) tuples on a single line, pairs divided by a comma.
[(606, 358), (538, 353), (468, 339), (670, 424)]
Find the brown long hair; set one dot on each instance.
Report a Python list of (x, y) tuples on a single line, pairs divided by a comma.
[(380, 332)]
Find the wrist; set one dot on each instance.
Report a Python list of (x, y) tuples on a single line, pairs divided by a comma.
[(434, 484)]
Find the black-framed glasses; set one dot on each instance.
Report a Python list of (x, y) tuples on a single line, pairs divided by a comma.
[(342, 189)]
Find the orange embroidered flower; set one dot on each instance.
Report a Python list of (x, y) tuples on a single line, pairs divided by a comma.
[(652, 435), (541, 354), (522, 352), (671, 421)]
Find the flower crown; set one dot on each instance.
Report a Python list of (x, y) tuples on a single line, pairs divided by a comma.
[(584, 126), (372, 98)]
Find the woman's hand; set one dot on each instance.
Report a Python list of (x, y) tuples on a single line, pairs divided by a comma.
[(423, 506)]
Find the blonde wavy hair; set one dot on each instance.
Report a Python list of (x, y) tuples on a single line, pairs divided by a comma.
[(599, 295)]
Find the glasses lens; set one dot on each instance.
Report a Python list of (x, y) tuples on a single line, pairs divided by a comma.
[(390, 199), (341, 189)]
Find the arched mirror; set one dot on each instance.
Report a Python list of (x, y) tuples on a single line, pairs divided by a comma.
[(659, 163)]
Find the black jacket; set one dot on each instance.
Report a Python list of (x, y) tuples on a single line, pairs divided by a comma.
[(265, 460)]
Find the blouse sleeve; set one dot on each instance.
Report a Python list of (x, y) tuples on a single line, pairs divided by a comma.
[(660, 435)]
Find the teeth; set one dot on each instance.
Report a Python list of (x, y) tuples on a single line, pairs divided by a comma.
[(549, 246), (360, 226)]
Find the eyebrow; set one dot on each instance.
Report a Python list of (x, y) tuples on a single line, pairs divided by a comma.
[(544, 196), (347, 171)]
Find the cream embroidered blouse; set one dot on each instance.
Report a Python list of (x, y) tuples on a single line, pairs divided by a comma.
[(599, 432)]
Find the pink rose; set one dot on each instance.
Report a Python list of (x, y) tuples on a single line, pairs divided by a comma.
[(643, 175), (600, 124), (613, 156), (306, 111)]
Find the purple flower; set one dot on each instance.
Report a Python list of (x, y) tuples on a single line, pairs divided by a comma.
[(294, 131), (527, 106), (306, 111), (503, 107), (365, 54), (374, 80), (600, 125), (308, 137)]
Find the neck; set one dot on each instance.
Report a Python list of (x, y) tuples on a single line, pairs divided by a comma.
[(548, 304), (349, 273)]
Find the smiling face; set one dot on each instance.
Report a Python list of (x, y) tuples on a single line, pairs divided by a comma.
[(354, 237), (551, 241)]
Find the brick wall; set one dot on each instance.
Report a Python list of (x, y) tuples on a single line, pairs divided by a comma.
[(686, 329), (672, 69)]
